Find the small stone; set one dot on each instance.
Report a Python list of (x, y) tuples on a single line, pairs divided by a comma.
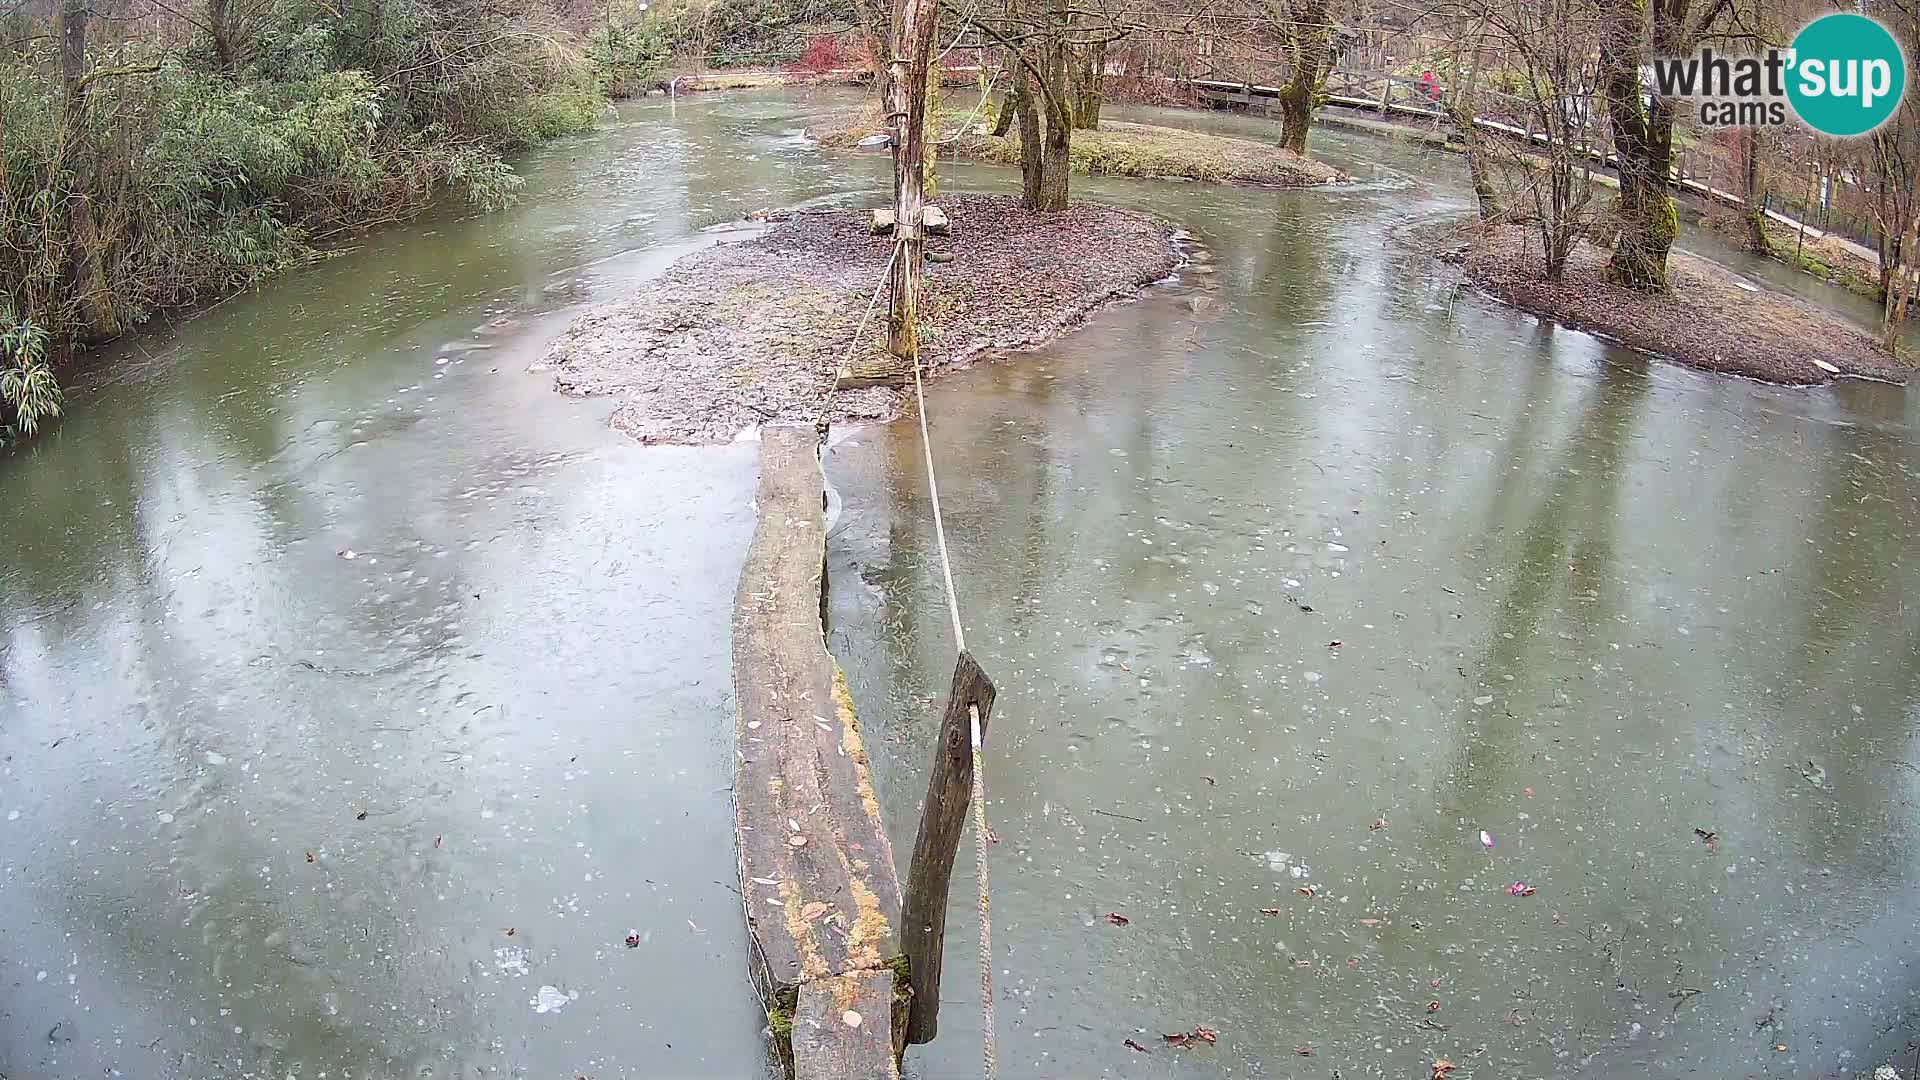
[(797, 840), (850, 1018)]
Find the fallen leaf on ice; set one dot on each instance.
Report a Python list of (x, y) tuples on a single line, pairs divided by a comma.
[(1188, 1038)]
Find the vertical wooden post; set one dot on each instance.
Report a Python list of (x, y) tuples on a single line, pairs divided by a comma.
[(923, 914), (912, 48)]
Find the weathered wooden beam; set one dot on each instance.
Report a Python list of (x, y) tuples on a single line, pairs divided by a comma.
[(817, 875), (943, 817)]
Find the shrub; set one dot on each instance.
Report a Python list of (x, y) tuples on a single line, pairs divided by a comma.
[(822, 54), (28, 392)]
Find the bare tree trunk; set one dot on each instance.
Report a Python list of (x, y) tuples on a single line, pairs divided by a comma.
[(1752, 194), (907, 82), (1479, 168), (873, 36), (1896, 312), (1004, 115), (87, 262), (1643, 146), (1309, 40), (1089, 85), (1057, 99), (1032, 147), (219, 22)]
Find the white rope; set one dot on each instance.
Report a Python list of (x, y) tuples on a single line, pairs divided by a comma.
[(989, 1062), (833, 377), (989, 1059), (940, 528)]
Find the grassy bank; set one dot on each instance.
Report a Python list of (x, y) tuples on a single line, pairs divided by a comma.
[(166, 161), (1116, 149)]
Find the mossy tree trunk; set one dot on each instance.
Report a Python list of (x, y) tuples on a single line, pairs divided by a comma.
[(1309, 33), (1643, 147)]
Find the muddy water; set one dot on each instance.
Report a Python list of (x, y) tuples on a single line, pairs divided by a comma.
[(1674, 594), (1307, 593)]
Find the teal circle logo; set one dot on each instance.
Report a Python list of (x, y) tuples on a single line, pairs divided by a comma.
[(1848, 74)]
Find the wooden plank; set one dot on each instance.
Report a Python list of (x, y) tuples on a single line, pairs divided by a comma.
[(817, 874), (841, 1028), (943, 817)]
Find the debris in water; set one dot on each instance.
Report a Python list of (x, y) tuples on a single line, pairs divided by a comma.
[(1483, 699), (349, 554), (1441, 1068), (361, 816), (1333, 644), (1131, 1045), (1305, 890), (549, 999), (1371, 923), (1269, 911), (1520, 888), (1378, 824), (1812, 774), (1188, 1038), (436, 841), (1709, 838), (510, 931), (633, 939), (695, 927), (1307, 1051), (1486, 839), (1117, 919), (511, 961), (309, 856)]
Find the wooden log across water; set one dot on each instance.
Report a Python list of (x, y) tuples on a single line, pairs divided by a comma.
[(817, 876)]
